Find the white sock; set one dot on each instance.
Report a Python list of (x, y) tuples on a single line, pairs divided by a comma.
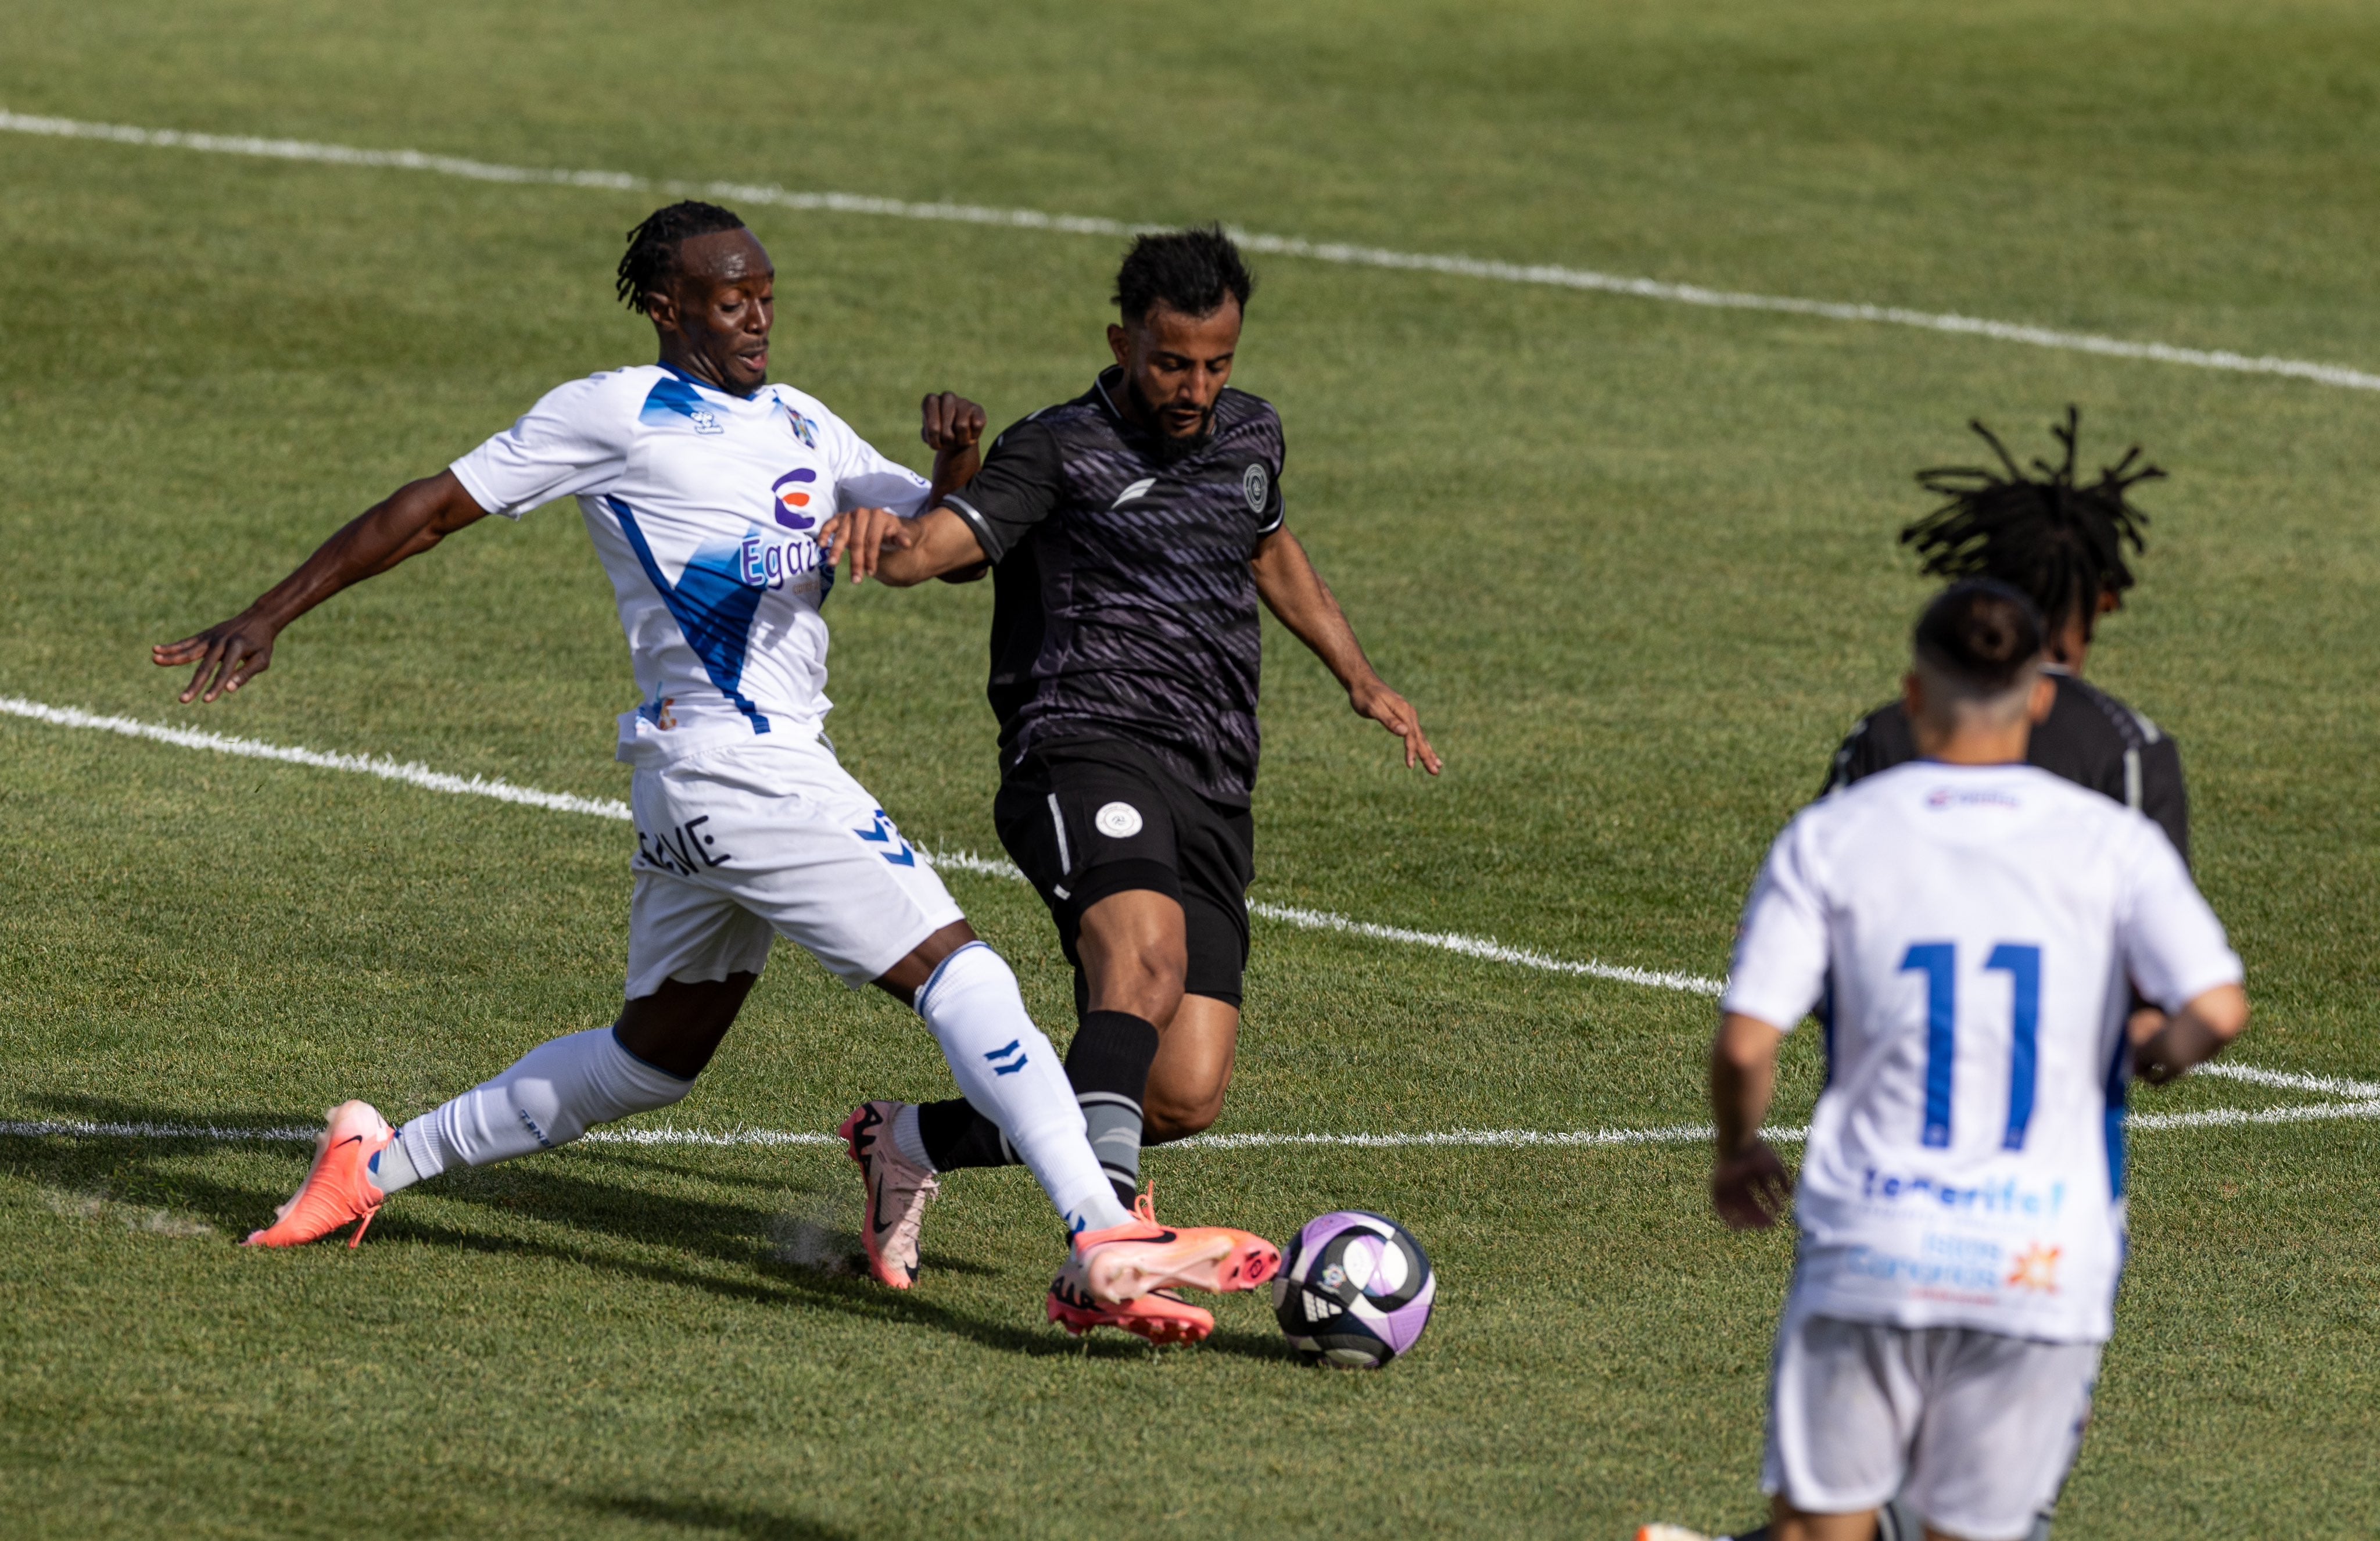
[(1007, 1069), (910, 1140), (549, 1098), (393, 1168)]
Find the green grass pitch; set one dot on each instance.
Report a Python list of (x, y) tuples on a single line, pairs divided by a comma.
[(1634, 562)]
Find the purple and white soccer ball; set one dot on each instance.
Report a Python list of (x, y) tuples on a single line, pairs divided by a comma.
[(1353, 1291)]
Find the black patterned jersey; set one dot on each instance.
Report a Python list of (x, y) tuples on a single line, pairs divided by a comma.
[(1124, 606), (2089, 737)]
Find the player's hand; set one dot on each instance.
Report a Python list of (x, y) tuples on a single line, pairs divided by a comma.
[(1392, 712), (865, 533), (1751, 1191), (232, 653), (951, 422)]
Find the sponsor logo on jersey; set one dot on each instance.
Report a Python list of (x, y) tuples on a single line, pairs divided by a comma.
[(1253, 483), (1136, 490), (794, 492), (1945, 1265), (2035, 1268), (800, 427), (1120, 820), (2003, 1197), (761, 563), (1950, 797)]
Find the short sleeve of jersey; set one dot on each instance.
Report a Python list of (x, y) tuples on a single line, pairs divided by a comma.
[(1781, 949), (574, 440), (863, 477), (2167, 934), (1017, 488)]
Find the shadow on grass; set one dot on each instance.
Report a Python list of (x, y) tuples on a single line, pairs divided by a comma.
[(541, 1193), (745, 1520)]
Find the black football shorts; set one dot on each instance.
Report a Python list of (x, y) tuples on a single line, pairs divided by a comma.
[(1086, 817)]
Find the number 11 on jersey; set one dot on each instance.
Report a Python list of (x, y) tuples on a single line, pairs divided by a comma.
[(1938, 960)]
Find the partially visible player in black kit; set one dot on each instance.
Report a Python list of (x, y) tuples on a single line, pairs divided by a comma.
[(1130, 533), (2062, 544)]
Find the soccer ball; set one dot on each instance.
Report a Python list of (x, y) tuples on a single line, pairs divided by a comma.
[(1353, 1291)]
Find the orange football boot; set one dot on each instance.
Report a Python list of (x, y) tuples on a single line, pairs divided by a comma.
[(1125, 1262), (897, 1191), (1161, 1316), (340, 1188)]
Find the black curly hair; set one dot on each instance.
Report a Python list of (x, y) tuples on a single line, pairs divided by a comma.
[(651, 258), (2060, 543), (1191, 270)]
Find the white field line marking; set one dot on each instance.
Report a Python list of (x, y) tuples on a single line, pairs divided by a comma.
[(966, 861), (1543, 273), (250, 748), (2290, 1080), (1477, 947), (1674, 1134)]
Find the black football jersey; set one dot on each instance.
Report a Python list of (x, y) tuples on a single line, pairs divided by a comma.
[(2090, 738), (1124, 606)]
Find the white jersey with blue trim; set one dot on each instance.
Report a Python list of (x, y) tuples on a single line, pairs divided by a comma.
[(704, 508), (1969, 937)]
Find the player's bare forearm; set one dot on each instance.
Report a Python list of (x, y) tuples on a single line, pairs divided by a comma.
[(1298, 598), (1742, 1079), (897, 552), (2195, 1034), (406, 523), (1749, 1186), (950, 426)]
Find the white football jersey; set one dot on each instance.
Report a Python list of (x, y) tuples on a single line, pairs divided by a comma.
[(1969, 937), (704, 508)]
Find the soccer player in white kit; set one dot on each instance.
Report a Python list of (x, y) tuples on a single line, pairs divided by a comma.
[(1969, 930), (702, 487)]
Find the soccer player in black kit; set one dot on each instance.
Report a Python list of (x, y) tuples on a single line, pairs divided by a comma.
[(2062, 544), (1130, 533)]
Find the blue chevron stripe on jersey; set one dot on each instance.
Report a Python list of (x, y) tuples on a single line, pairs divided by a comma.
[(712, 604)]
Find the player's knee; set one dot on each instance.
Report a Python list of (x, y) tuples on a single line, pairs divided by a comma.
[(1170, 1114)]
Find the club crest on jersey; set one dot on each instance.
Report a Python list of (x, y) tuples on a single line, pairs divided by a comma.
[(1255, 484), (794, 492), (802, 427)]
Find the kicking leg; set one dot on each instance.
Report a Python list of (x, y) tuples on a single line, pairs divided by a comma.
[(1131, 953), (1005, 1068), (548, 1097)]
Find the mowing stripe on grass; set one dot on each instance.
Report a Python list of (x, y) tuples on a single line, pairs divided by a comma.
[(429, 780), (1544, 273)]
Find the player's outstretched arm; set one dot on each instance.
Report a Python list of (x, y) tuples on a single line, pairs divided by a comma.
[(406, 523), (2195, 1034), (902, 551), (1296, 595), (899, 551), (1749, 1186)]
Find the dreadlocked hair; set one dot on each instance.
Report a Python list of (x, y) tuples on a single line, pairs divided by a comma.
[(2061, 545), (651, 258)]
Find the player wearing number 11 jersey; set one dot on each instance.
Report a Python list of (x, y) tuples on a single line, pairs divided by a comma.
[(1969, 930)]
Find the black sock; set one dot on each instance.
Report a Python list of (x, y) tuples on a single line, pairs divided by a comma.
[(956, 1136), (1108, 1064)]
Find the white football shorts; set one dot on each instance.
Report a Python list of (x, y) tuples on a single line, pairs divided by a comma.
[(1975, 1429), (739, 845)]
